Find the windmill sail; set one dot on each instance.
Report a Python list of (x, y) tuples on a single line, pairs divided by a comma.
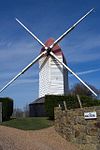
[(33, 35), (52, 54), (48, 51), (23, 71), (71, 28)]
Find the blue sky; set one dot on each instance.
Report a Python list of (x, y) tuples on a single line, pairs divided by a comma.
[(47, 19)]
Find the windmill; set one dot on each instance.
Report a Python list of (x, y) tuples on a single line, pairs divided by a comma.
[(49, 53), (53, 77)]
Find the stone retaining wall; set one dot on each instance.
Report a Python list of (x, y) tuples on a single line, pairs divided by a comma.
[(72, 125)]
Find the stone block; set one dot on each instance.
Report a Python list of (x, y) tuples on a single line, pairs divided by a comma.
[(92, 131), (81, 139), (87, 147), (98, 147), (92, 140)]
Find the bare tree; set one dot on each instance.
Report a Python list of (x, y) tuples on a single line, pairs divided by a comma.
[(17, 113), (82, 90), (26, 110)]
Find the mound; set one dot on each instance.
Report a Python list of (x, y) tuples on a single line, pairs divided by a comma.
[(45, 139)]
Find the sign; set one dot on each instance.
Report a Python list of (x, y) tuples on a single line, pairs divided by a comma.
[(90, 115)]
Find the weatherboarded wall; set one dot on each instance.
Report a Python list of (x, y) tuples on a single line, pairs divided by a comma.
[(53, 77), (75, 128)]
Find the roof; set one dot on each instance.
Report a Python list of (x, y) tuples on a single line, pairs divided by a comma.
[(38, 101), (56, 49)]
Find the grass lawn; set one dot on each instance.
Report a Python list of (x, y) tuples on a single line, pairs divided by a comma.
[(34, 123)]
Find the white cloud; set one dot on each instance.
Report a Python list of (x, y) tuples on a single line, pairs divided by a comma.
[(84, 48), (26, 81), (86, 72), (10, 49)]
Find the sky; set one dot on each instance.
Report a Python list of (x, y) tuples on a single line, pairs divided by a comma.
[(47, 19)]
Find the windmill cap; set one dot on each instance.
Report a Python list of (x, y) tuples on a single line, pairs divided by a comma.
[(56, 49)]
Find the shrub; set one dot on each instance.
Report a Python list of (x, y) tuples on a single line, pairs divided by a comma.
[(7, 108), (52, 101)]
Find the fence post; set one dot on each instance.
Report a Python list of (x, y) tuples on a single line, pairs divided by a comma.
[(59, 106), (65, 106), (79, 100)]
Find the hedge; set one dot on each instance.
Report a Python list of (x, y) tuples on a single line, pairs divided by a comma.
[(7, 108), (52, 101)]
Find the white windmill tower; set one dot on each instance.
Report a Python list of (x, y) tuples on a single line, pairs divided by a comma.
[(53, 77), (49, 52)]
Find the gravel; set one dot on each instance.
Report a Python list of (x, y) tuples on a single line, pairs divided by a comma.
[(45, 139)]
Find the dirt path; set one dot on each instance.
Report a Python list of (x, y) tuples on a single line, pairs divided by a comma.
[(45, 139)]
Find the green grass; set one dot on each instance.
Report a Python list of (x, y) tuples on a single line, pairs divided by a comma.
[(34, 123)]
